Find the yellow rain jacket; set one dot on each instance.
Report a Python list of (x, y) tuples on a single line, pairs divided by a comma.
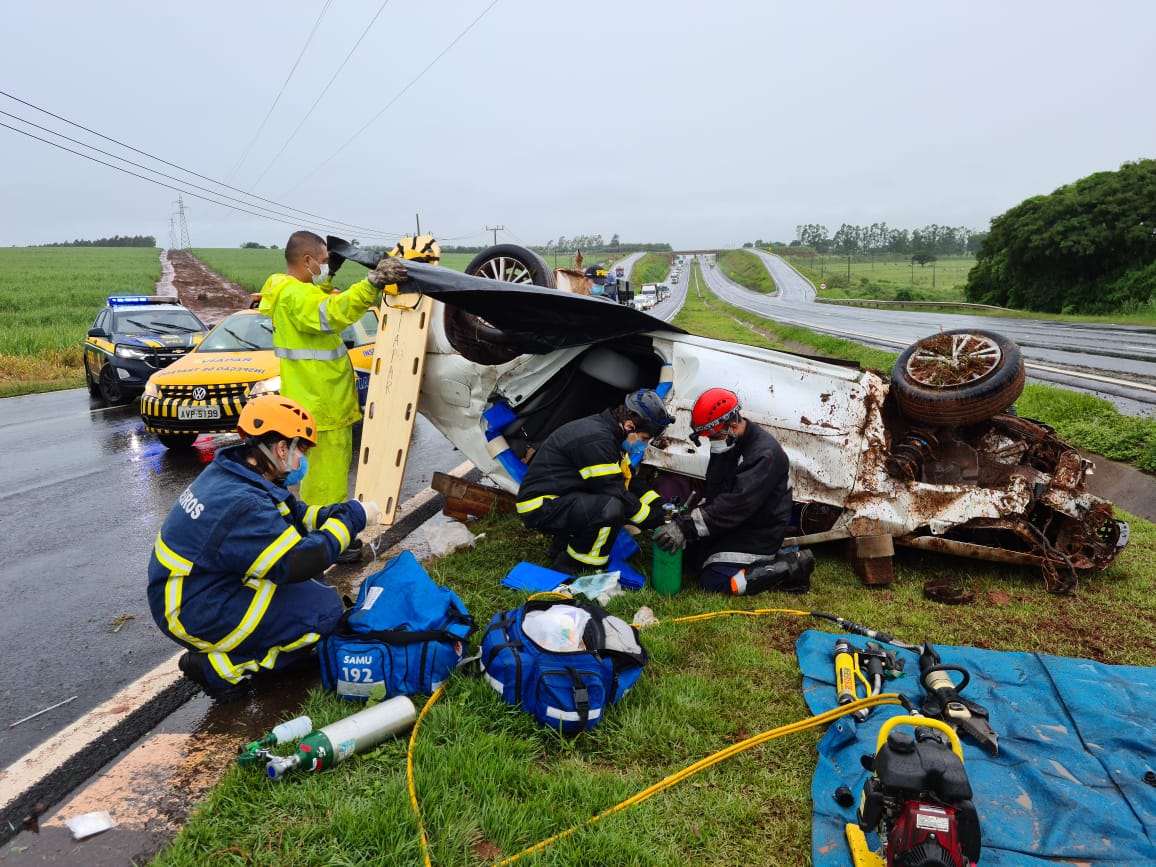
[(307, 325)]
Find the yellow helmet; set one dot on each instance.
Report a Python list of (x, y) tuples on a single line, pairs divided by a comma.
[(272, 413)]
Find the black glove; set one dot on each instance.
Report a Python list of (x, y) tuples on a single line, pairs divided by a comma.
[(389, 272), (669, 537)]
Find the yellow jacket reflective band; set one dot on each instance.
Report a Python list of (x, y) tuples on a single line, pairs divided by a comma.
[(596, 470), (311, 354), (644, 510), (265, 561), (532, 504)]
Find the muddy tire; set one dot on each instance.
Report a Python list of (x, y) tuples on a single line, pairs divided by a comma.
[(958, 377), (93, 387), (178, 440), (475, 338)]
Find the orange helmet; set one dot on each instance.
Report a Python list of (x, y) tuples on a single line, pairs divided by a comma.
[(272, 413), (714, 409)]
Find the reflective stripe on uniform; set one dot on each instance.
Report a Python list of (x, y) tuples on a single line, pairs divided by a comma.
[(268, 558), (311, 354), (258, 605), (594, 557), (596, 470), (323, 317), (339, 530), (530, 505), (310, 519), (644, 510), (179, 569), (233, 673)]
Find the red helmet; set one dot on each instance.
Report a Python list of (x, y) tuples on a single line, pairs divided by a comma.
[(714, 409)]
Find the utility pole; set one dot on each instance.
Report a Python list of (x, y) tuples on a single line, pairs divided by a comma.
[(495, 230)]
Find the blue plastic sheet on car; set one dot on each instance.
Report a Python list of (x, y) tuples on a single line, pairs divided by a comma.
[(1075, 740)]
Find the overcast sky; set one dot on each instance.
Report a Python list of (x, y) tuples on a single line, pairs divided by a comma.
[(700, 124)]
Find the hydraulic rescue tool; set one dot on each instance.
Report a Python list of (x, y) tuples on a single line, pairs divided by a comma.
[(877, 661), (918, 801), (943, 701)]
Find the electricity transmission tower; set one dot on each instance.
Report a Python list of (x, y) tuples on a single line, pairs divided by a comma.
[(495, 230), (185, 245), (172, 233)]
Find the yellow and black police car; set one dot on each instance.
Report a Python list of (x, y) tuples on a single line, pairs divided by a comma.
[(132, 338), (204, 392)]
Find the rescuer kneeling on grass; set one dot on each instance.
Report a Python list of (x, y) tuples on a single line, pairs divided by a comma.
[(735, 535), (577, 486), (308, 317), (234, 572)]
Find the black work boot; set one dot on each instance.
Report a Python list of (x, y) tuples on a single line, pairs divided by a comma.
[(790, 573), (557, 546), (352, 554)]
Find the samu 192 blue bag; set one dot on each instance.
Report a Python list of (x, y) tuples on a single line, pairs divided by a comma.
[(566, 689), (404, 632)]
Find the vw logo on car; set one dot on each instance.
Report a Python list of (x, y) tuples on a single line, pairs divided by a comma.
[(200, 393)]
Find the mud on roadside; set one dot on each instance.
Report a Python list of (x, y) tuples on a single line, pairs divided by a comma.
[(202, 290)]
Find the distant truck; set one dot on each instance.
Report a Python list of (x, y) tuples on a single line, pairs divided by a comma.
[(648, 295)]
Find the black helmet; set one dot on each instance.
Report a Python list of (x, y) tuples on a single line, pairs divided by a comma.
[(647, 405)]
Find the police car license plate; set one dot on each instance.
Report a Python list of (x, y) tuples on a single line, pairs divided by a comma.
[(198, 413)]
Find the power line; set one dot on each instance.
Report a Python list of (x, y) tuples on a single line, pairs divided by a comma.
[(325, 220), (320, 96), (400, 93), (284, 84), (265, 216)]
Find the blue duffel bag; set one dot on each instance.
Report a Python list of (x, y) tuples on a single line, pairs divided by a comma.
[(563, 662), (405, 633)]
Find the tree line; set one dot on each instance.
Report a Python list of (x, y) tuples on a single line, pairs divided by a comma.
[(849, 239), (1088, 247), (114, 241)]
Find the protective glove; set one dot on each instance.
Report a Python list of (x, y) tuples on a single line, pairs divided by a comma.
[(388, 273), (669, 537), (372, 513)]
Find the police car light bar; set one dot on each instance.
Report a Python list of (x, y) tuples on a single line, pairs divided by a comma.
[(117, 300)]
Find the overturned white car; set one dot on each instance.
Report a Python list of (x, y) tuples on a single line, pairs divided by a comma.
[(928, 460)]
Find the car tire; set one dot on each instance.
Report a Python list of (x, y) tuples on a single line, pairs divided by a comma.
[(513, 264), (177, 440), (958, 377), (475, 338), (110, 388), (93, 387)]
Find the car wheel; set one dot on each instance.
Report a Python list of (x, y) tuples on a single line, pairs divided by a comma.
[(93, 388), (475, 338), (513, 264), (177, 440), (110, 389), (958, 377)]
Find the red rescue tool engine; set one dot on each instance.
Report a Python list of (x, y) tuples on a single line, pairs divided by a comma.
[(919, 802)]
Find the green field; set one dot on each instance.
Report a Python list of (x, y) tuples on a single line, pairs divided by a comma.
[(48, 299), (885, 278)]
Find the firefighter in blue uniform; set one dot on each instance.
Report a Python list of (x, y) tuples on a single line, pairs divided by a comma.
[(234, 573), (577, 487)]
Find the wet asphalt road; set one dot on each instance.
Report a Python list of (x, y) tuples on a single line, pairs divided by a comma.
[(83, 491), (1053, 351)]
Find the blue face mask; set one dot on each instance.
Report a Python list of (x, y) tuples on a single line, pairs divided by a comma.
[(634, 450), (295, 476)]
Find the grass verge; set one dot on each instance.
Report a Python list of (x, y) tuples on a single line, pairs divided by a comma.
[(490, 783)]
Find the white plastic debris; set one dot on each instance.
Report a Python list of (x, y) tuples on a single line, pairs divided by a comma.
[(88, 824), (445, 538)]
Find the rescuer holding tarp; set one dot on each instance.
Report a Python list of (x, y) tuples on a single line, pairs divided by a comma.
[(232, 576), (735, 535), (308, 317)]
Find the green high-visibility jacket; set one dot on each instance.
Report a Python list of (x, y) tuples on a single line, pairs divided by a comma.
[(307, 325)]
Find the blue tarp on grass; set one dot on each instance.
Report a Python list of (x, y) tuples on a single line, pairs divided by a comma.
[(1075, 740)]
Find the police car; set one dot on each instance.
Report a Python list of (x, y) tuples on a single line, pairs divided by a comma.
[(132, 338), (204, 392)]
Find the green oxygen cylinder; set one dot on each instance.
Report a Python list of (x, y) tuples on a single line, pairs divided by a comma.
[(666, 571), (357, 733)]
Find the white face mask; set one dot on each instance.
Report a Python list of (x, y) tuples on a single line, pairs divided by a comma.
[(717, 447), (320, 276)]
